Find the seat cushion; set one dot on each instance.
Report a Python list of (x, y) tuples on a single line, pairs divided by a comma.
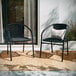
[(20, 39), (58, 33)]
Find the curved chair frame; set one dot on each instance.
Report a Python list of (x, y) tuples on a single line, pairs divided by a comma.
[(51, 42), (11, 42)]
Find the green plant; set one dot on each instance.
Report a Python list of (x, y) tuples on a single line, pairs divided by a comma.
[(72, 32)]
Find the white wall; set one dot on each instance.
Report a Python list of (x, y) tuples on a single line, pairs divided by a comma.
[(66, 9), (57, 11), (46, 6)]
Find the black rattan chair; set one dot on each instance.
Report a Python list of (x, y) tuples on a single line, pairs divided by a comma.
[(14, 34), (55, 39)]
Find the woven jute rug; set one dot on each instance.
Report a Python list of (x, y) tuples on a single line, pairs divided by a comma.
[(48, 62)]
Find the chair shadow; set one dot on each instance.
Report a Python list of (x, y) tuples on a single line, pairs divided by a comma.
[(4, 55), (70, 57), (39, 68), (45, 55), (13, 67)]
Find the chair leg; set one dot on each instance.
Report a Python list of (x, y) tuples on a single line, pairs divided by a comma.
[(23, 47), (63, 52), (40, 49), (32, 45), (7, 48), (51, 47), (10, 53), (33, 48), (67, 48)]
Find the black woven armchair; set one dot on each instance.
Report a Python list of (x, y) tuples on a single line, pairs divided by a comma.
[(14, 34), (58, 36)]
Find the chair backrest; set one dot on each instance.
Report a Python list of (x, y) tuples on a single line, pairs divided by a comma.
[(15, 30), (59, 30), (59, 26)]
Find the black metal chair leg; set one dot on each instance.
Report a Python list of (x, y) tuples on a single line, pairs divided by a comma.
[(32, 45), (10, 53), (51, 47), (7, 48), (63, 52), (33, 49), (40, 49), (67, 48), (23, 47)]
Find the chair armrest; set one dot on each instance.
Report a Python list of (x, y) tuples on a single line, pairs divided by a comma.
[(45, 30), (29, 30), (66, 34)]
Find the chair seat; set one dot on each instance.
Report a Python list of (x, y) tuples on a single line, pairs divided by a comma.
[(53, 39), (20, 39)]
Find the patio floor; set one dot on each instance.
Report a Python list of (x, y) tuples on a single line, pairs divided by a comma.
[(48, 62)]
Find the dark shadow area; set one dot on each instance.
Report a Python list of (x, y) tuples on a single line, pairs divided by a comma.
[(45, 55), (13, 67), (4, 55), (70, 57), (26, 68)]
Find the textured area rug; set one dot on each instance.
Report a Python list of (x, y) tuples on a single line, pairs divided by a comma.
[(48, 62)]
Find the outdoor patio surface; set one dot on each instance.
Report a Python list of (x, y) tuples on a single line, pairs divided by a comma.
[(48, 62)]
